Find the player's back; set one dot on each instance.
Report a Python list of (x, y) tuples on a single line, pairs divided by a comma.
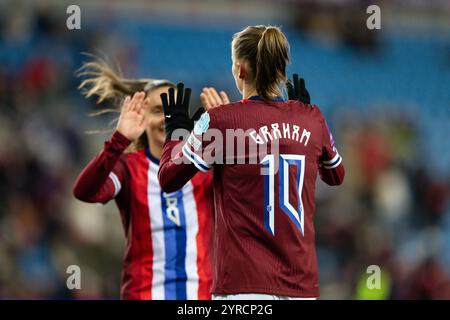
[(265, 205)]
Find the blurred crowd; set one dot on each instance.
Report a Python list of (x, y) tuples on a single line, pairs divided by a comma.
[(43, 145), (392, 211)]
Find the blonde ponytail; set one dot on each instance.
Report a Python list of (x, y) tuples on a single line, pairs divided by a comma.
[(266, 49)]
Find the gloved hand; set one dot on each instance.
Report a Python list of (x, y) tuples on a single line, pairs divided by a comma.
[(297, 90), (176, 111)]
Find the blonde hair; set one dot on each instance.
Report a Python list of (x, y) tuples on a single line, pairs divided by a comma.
[(105, 83), (266, 49)]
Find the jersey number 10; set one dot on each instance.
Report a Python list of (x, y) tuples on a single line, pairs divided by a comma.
[(295, 214)]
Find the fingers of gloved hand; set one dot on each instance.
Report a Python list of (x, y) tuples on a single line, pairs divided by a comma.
[(290, 90), (304, 93), (187, 97), (307, 97), (302, 85), (198, 114), (296, 84), (180, 91), (171, 97), (164, 102)]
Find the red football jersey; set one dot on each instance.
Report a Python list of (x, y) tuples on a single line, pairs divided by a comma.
[(264, 200), (168, 235)]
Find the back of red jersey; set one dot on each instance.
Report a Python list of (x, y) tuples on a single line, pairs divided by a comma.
[(264, 186)]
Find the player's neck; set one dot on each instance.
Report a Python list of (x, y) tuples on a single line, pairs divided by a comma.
[(248, 91), (252, 92), (155, 149)]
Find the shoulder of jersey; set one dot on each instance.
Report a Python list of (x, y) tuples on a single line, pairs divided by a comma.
[(303, 105), (226, 107), (223, 109), (308, 108), (236, 105)]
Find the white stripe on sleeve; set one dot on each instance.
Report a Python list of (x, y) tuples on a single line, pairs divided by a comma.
[(195, 159), (116, 182), (334, 165), (328, 162)]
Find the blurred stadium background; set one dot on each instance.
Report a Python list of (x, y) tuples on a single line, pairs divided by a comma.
[(386, 94)]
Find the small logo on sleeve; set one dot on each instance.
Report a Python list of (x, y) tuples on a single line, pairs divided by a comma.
[(202, 124)]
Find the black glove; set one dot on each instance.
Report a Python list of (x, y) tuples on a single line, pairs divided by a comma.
[(198, 113), (176, 112), (298, 91)]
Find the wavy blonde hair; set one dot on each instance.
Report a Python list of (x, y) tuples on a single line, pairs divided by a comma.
[(105, 83)]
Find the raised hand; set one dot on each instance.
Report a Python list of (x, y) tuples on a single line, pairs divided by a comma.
[(211, 99), (131, 122), (176, 110), (297, 90)]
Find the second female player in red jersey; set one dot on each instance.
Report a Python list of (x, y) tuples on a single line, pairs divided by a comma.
[(168, 235), (264, 242)]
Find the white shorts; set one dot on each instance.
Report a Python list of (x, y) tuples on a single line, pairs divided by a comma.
[(255, 296)]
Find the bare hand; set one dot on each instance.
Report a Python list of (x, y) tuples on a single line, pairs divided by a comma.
[(211, 99), (131, 122)]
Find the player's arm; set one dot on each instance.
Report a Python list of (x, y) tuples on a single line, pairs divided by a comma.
[(179, 161), (102, 179), (331, 168), (174, 174)]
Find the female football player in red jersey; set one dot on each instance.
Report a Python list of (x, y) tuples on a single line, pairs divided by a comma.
[(168, 235), (264, 245)]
